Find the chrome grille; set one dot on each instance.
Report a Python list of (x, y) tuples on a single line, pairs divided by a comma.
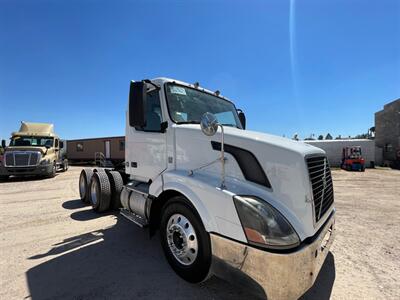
[(9, 159), (22, 158), (34, 159), (322, 186)]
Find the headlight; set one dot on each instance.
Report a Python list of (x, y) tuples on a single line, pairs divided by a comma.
[(45, 162), (264, 225)]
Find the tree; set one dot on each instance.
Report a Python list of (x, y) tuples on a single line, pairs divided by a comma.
[(320, 137), (328, 137), (310, 138), (362, 136)]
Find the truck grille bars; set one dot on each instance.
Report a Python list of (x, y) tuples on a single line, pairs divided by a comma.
[(322, 186), (22, 159)]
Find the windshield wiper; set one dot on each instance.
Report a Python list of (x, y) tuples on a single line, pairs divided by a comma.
[(188, 122)]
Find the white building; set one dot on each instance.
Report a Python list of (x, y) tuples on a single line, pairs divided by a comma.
[(334, 148)]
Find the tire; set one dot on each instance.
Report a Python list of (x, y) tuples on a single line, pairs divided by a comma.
[(117, 185), (53, 172), (192, 270), (65, 165), (100, 192), (84, 184)]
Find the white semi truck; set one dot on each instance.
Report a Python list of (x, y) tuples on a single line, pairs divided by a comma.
[(249, 207)]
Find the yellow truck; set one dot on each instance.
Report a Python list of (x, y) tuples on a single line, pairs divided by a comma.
[(33, 150)]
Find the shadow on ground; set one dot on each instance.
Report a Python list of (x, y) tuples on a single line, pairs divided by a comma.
[(122, 262), (74, 204), (322, 287), (26, 178)]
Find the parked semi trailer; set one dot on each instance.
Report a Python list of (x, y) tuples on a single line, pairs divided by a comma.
[(33, 150), (249, 207)]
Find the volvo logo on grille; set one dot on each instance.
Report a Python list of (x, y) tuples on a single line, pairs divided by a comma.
[(324, 176)]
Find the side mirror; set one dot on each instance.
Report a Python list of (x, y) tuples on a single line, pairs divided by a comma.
[(137, 104), (3, 143), (209, 124), (242, 118), (47, 146)]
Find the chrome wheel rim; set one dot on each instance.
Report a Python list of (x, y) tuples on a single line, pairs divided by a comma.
[(182, 239), (82, 187), (93, 192)]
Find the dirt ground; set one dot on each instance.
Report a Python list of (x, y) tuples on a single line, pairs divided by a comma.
[(54, 247)]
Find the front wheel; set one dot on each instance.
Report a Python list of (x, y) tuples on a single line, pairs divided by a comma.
[(53, 170), (185, 242)]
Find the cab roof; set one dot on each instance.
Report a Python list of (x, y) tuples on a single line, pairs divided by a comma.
[(35, 129), (161, 80)]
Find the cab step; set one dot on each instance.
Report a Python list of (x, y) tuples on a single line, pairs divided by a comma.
[(141, 222)]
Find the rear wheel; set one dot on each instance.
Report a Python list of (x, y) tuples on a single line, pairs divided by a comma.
[(84, 181), (100, 192), (185, 242), (117, 185), (65, 165)]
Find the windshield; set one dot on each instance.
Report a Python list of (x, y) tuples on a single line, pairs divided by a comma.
[(187, 105), (32, 141)]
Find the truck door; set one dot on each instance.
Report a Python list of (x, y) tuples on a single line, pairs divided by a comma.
[(146, 146), (57, 149), (63, 149)]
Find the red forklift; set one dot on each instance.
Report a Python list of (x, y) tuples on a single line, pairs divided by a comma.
[(352, 159)]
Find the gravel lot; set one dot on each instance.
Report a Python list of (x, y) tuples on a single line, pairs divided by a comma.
[(53, 247)]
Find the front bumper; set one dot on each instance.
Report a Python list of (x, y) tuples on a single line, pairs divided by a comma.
[(273, 275), (31, 170)]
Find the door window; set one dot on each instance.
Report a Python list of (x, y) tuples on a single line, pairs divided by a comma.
[(152, 112)]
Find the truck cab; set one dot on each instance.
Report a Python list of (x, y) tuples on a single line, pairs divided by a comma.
[(247, 206), (33, 150)]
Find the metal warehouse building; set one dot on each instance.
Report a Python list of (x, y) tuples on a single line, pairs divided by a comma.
[(333, 149)]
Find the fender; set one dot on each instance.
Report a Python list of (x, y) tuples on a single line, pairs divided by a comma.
[(214, 206), (185, 190)]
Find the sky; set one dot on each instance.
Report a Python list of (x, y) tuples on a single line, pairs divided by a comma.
[(306, 67)]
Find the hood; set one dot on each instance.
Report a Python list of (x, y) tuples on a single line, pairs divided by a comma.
[(281, 159), (256, 140), (244, 136), (42, 150)]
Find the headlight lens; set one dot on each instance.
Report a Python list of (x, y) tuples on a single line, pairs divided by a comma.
[(264, 225), (45, 162)]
